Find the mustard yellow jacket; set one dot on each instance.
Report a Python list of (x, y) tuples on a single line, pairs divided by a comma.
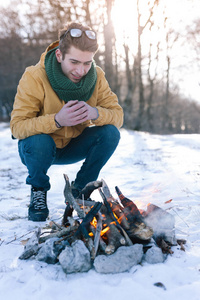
[(36, 104)]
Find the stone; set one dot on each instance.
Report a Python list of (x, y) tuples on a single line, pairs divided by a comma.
[(154, 255), (75, 258), (49, 251), (121, 261), (162, 223)]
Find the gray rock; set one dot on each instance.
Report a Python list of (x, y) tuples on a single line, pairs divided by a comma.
[(75, 258), (46, 252), (50, 250), (154, 255), (162, 223), (122, 260)]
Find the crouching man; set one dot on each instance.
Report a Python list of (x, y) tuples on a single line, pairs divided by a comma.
[(64, 111)]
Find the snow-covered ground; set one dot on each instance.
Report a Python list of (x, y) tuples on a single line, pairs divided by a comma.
[(148, 169)]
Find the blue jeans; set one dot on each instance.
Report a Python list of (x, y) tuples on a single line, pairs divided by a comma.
[(95, 145)]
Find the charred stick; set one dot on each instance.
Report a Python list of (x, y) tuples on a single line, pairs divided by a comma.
[(67, 213), (163, 245), (116, 208), (70, 199), (84, 226), (181, 242), (97, 235), (131, 218), (107, 205), (110, 212), (130, 209)]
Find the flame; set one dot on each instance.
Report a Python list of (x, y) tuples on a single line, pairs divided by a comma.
[(103, 231), (94, 224)]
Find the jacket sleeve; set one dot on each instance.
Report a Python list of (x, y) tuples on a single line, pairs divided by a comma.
[(110, 112), (25, 117)]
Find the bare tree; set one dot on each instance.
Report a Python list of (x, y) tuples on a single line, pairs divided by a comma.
[(152, 77), (109, 43), (171, 38), (139, 58)]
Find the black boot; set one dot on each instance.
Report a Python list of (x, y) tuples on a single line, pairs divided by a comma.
[(38, 210)]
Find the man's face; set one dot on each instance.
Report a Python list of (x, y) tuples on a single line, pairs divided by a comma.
[(76, 64)]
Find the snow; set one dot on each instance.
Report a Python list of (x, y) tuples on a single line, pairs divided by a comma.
[(148, 169)]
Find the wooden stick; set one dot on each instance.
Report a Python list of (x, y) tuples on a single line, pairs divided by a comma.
[(115, 239), (69, 198), (106, 190), (84, 226), (102, 244), (60, 233), (97, 235), (164, 246), (89, 188), (88, 203), (116, 208), (107, 204)]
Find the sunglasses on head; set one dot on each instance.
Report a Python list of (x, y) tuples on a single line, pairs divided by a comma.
[(76, 33)]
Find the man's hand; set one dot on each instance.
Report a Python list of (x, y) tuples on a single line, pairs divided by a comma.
[(75, 112)]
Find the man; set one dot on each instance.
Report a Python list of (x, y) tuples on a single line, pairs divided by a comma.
[(64, 112)]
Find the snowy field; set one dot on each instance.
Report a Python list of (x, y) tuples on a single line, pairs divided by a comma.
[(148, 169)]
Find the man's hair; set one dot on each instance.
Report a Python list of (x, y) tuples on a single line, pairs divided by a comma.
[(82, 43)]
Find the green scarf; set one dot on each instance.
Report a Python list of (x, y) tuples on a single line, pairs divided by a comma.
[(63, 86)]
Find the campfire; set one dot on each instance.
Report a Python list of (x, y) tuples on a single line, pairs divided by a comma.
[(112, 235)]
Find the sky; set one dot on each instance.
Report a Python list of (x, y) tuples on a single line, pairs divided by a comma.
[(147, 168)]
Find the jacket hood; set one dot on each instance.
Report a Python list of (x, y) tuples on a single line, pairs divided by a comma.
[(50, 47)]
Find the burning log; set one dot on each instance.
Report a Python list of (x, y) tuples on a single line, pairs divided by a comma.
[(137, 231), (115, 239), (140, 232), (130, 210), (102, 244), (83, 229), (97, 235), (117, 234), (112, 235), (109, 210), (117, 210)]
